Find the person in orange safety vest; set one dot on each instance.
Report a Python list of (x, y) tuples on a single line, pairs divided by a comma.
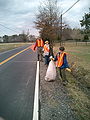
[(39, 44), (46, 53), (62, 64)]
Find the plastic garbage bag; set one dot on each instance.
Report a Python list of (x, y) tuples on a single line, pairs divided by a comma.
[(51, 71)]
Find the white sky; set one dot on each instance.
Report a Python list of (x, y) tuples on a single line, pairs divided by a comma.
[(20, 14)]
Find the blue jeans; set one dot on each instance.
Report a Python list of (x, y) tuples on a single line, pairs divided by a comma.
[(46, 59)]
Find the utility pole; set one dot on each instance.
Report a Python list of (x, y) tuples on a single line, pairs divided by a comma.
[(61, 31), (61, 20)]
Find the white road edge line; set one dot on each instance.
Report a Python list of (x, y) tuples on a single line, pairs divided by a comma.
[(36, 96)]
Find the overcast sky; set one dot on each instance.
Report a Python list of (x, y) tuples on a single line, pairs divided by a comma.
[(20, 14)]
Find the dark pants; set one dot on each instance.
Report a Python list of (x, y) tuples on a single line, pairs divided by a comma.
[(62, 74), (40, 53), (46, 59)]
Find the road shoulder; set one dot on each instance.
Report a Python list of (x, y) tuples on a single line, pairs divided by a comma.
[(54, 99)]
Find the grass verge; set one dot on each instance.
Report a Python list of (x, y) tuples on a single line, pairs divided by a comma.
[(79, 79)]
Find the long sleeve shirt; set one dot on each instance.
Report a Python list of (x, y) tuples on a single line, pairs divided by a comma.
[(41, 43)]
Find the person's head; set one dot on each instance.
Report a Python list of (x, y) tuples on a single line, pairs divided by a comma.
[(61, 49), (46, 42)]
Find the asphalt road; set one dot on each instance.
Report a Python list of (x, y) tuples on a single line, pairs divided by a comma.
[(17, 83)]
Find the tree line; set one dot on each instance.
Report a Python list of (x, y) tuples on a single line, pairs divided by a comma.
[(17, 38)]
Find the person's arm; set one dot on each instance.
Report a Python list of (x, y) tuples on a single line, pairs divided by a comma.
[(65, 61), (35, 45), (43, 44), (55, 58), (43, 48)]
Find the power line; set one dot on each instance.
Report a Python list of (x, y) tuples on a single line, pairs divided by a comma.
[(7, 27), (63, 14), (70, 7), (2, 31)]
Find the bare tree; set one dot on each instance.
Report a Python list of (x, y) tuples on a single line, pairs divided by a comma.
[(47, 21)]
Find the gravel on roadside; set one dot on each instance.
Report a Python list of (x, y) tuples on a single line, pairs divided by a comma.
[(54, 99)]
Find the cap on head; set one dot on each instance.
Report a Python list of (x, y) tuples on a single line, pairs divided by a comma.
[(62, 48), (46, 42)]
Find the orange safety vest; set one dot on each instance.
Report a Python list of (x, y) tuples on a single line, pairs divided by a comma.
[(60, 59), (40, 43), (46, 49)]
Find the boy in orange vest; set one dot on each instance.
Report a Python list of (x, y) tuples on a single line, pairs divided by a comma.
[(46, 53), (62, 64), (39, 44)]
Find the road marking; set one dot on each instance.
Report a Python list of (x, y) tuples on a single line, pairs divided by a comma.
[(13, 56), (13, 49), (36, 96), (24, 61), (10, 50)]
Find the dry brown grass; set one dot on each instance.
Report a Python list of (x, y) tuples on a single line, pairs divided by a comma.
[(79, 79)]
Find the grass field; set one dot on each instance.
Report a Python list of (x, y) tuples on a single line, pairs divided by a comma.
[(79, 54), (79, 79), (9, 46)]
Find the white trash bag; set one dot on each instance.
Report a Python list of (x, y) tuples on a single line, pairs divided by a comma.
[(51, 71)]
